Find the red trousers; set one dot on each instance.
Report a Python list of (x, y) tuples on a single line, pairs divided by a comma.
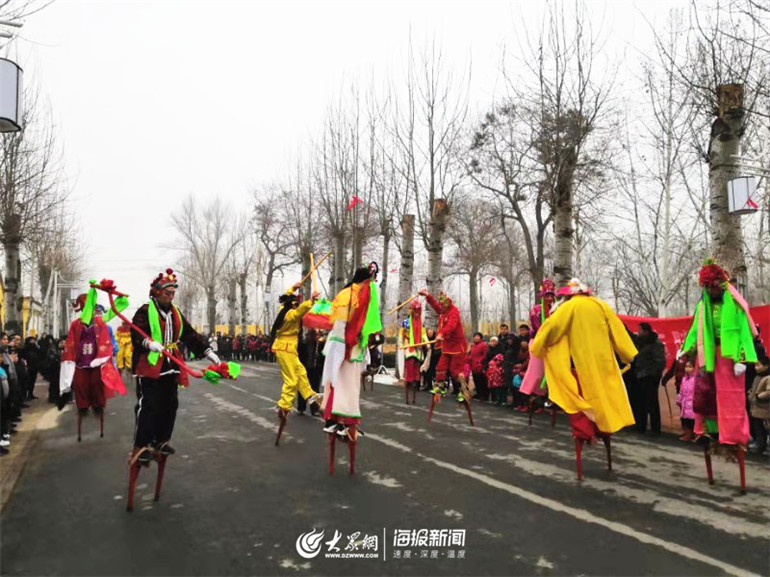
[(88, 388), (454, 364)]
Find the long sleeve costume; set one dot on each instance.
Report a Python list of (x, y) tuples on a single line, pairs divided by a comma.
[(454, 346), (293, 372), (158, 378), (586, 332)]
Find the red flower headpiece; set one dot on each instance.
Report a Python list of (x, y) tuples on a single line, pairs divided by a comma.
[(415, 306), (712, 275), (79, 302), (163, 280), (547, 287)]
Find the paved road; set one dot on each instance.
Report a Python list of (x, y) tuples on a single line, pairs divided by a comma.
[(234, 504)]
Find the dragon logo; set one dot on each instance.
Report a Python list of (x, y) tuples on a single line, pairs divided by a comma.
[(309, 544)]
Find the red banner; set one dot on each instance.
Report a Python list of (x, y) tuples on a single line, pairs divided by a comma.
[(672, 331)]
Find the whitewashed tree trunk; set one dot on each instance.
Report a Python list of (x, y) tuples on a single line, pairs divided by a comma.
[(726, 234), (435, 247), (244, 304), (11, 242), (406, 274), (231, 300)]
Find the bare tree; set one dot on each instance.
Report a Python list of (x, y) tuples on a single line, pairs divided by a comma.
[(724, 72), (475, 234), (207, 236), (430, 131), (273, 231), (31, 189)]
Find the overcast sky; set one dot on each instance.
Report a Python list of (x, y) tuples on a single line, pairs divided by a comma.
[(156, 100)]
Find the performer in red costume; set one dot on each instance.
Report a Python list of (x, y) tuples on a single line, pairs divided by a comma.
[(452, 343), (87, 365)]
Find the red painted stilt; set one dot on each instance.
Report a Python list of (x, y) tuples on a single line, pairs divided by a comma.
[(608, 445), (161, 458), (332, 440), (433, 400), (531, 410), (281, 424), (741, 454), (709, 471), (579, 457), (467, 403), (353, 434), (554, 411)]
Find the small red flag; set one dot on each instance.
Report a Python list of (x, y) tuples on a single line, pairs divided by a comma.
[(394, 270), (355, 201), (492, 281)]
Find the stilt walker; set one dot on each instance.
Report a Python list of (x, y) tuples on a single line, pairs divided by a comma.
[(285, 337), (156, 330), (355, 315), (450, 338), (578, 345), (87, 365), (534, 382), (412, 333), (125, 349), (722, 335)]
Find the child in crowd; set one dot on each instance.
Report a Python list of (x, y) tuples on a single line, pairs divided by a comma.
[(759, 404), (685, 400), (497, 391)]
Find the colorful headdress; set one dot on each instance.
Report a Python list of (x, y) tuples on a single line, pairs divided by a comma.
[(574, 287), (79, 302), (444, 300), (547, 287), (163, 280), (712, 275), (415, 306)]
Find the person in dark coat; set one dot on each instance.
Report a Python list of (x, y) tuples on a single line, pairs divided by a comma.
[(31, 354), (649, 364)]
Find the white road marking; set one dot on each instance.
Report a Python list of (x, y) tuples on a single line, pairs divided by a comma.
[(574, 512)]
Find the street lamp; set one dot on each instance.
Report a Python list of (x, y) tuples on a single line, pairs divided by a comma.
[(11, 88)]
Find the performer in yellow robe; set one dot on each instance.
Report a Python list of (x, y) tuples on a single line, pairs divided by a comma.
[(285, 335), (584, 333), (125, 350)]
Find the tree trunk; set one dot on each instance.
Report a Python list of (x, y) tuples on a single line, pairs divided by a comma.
[(307, 288), (473, 292), (244, 304), (562, 219), (384, 269), (435, 248), (338, 277), (11, 242), (512, 309), (231, 310), (727, 129), (406, 274), (211, 307)]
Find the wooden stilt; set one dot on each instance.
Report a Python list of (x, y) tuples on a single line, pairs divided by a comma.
[(741, 454), (80, 423), (406, 392), (101, 423), (531, 410), (414, 393), (554, 412), (608, 445), (281, 424), (579, 457), (433, 400), (161, 458), (352, 444), (709, 471), (467, 403), (132, 476), (332, 440)]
